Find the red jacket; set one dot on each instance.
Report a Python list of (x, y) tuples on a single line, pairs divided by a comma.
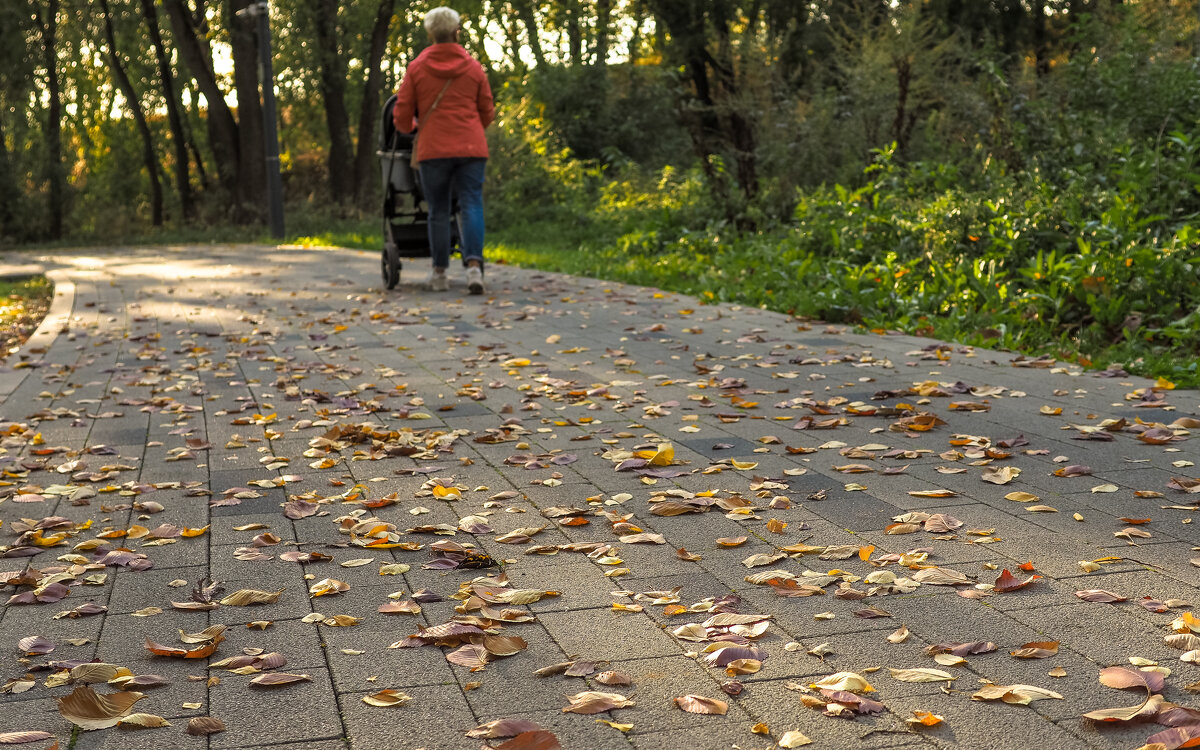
[(455, 127)]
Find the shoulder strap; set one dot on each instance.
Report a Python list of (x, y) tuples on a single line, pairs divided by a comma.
[(441, 93)]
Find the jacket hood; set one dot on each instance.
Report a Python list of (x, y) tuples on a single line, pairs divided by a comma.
[(446, 60)]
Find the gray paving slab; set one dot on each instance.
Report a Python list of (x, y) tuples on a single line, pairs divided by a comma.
[(264, 363)]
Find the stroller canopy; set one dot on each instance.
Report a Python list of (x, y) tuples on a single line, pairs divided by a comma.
[(388, 132)]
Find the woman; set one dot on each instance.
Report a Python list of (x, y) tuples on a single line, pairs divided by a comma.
[(447, 92)]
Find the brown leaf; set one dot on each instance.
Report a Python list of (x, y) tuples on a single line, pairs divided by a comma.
[(1021, 695), (405, 607), (35, 645), (145, 721), (537, 739), (504, 645), (1147, 708), (1008, 582), (735, 541), (387, 698), (89, 710), (503, 728), (202, 651), (271, 679), (613, 677), (209, 634), (593, 702), (202, 726), (20, 738), (1036, 650), (471, 656), (1101, 596), (1121, 678), (1074, 470), (698, 704), (246, 597)]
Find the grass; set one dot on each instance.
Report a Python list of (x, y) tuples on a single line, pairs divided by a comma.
[(23, 305), (734, 272)]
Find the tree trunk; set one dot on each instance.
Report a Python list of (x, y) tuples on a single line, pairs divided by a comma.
[(183, 180), (529, 21), (251, 192), (603, 20), (10, 192), (369, 115), (635, 39), (222, 128), (125, 86), (1040, 49), (574, 32), (332, 83), (48, 26), (903, 86)]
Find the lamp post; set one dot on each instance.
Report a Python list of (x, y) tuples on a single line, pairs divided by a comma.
[(259, 11)]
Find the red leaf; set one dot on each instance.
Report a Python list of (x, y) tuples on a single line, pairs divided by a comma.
[(1008, 582)]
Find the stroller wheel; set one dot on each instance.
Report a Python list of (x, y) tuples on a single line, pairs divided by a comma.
[(390, 267)]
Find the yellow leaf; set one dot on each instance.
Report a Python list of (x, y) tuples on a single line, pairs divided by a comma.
[(194, 532)]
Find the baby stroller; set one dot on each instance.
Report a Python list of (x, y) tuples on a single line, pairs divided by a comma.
[(405, 213)]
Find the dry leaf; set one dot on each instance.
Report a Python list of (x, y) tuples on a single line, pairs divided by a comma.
[(89, 710), (924, 719), (593, 702), (900, 636), (698, 704), (793, 738), (1021, 695), (848, 681), (20, 738), (386, 698), (202, 726), (271, 679), (149, 721), (245, 597), (1036, 650), (920, 675)]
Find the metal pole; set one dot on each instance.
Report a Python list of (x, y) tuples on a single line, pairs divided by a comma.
[(270, 134)]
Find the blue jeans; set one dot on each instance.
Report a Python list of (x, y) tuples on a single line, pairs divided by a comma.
[(463, 179)]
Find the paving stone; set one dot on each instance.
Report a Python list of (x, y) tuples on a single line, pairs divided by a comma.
[(259, 715), (605, 635), (437, 717), (424, 347)]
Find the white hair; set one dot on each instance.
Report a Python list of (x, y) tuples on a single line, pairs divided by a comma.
[(441, 23)]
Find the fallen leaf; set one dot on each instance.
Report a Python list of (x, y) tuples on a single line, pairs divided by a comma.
[(271, 679), (89, 710), (1101, 596), (900, 636), (387, 698), (920, 674), (246, 597), (698, 704), (593, 702), (1021, 695), (20, 738), (848, 681), (924, 719), (202, 726), (148, 721), (1036, 650), (793, 738)]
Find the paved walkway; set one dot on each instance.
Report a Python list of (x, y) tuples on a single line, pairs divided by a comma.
[(270, 420)]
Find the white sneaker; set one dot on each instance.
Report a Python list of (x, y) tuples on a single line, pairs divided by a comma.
[(438, 281), (474, 280)]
